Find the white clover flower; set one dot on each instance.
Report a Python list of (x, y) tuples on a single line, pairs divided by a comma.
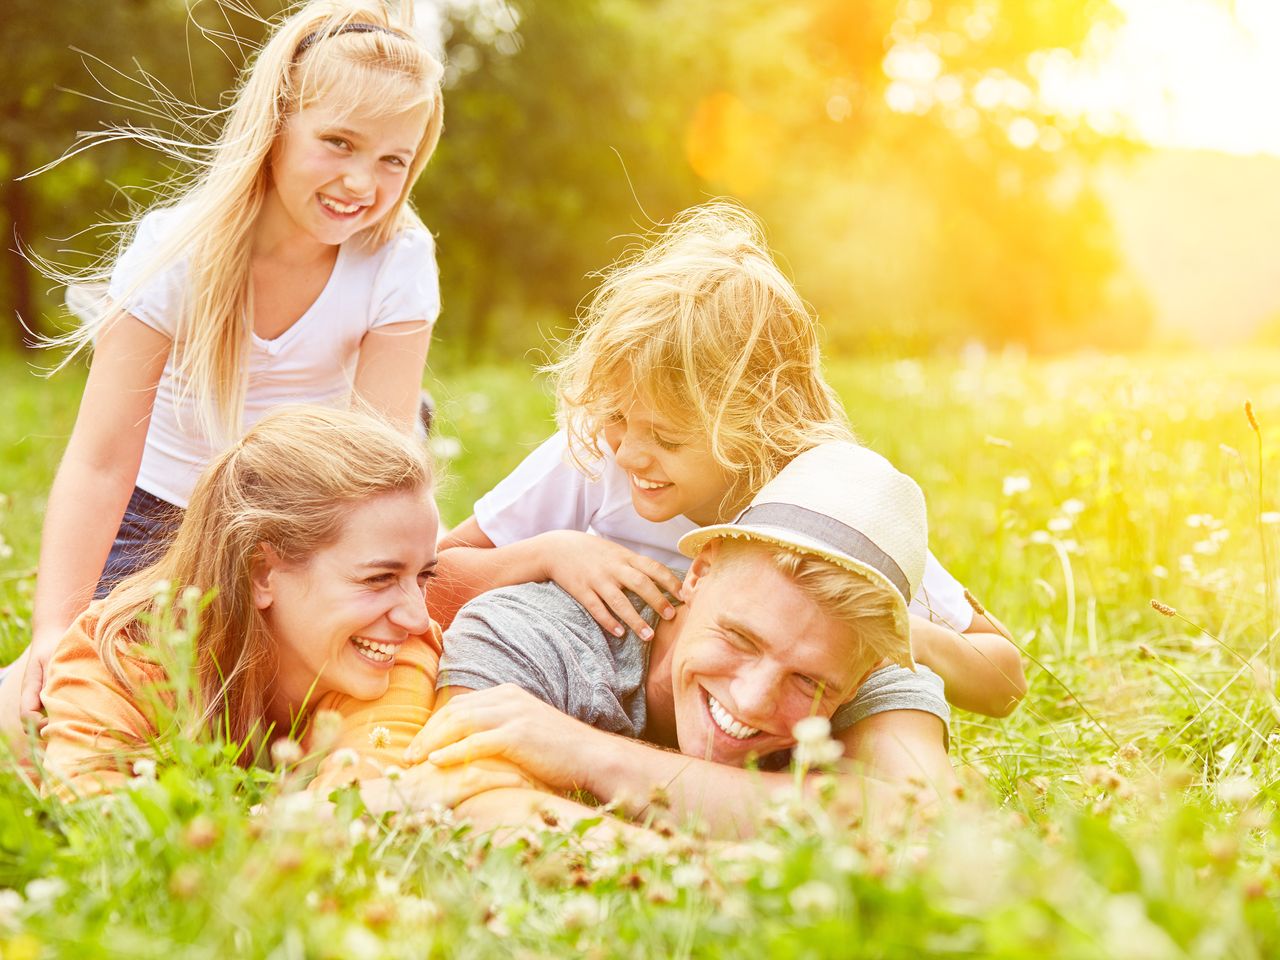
[(11, 903), (360, 944), (379, 738), (1270, 518), (445, 448), (1159, 572), (191, 595), (346, 757), (1073, 507), (812, 730), (1236, 791), (44, 890), (392, 772), (582, 910), (161, 589), (688, 875), (814, 897), (820, 754), (285, 752), (1016, 484), (326, 727), (144, 768), (1039, 536), (1059, 524)]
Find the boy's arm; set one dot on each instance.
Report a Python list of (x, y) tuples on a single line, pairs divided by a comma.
[(469, 564), (981, 668)]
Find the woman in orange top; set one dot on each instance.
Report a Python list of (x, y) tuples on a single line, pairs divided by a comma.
[(315, 536)]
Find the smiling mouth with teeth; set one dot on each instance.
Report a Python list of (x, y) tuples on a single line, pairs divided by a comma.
[(648, 484), (375, 651), (725, 721), (345, 209)]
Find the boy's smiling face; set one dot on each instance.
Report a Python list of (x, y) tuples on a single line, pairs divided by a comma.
[(670, 466)]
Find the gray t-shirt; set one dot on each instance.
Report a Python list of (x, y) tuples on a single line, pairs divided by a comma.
[(538, 637)]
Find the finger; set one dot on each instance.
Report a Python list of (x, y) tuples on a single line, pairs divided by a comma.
[(664, 578), (477, 746), (627, 613), (32, 683), (442, 728), (601, 615), (648, 591)]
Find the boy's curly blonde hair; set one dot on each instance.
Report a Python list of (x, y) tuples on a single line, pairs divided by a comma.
[(704, 327)]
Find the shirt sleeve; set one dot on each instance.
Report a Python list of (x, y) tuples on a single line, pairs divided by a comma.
[(546, 492), (375, 733), (506, 636), (154, 297), (941, 597), (407, 287), (97, 726), (895, 688)]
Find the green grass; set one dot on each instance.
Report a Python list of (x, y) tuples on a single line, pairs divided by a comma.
[(1127, 809)]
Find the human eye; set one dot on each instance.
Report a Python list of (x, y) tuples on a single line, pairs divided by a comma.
[(394, 160), (339, 143), (379, 579), (426, 575), (665, 443)]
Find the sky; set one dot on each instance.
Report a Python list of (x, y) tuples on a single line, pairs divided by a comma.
[(1199, 74)]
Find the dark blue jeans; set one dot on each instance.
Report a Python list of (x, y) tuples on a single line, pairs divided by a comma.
[(149, 524)]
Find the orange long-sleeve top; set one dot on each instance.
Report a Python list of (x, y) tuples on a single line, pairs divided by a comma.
[(97, 726)]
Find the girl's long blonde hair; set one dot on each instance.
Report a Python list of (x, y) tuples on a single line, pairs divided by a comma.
[(288, 484), (387, 70), (703, 325)]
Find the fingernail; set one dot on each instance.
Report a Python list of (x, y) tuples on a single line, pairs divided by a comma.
[(668, 613), (618, 631), (646, 634)]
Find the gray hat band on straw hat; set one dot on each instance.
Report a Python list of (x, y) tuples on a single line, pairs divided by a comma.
[(841, 537)]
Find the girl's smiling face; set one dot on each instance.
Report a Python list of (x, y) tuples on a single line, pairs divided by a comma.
[(671, 468), (338, 618), (335, 172)]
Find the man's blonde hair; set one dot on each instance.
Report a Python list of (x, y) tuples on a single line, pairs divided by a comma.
[(867, 608), (703, 325), (380, 71), (289, 485)]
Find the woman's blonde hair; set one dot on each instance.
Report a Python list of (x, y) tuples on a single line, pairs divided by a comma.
[(313, 53), (288, 484), (865, 607), (703, 325)]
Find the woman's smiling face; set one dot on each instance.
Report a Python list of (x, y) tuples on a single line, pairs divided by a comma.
[(338, 618)]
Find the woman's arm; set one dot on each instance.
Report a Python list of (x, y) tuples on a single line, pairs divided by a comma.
[(389, 370), (93, 484)]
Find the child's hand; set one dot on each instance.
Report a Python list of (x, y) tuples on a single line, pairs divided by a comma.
[(38, 654), (595, 571)]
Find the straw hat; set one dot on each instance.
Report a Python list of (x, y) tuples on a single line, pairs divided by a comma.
[(843, 503)]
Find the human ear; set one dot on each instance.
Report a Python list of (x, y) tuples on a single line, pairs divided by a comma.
[(699, 570), (262, 571)]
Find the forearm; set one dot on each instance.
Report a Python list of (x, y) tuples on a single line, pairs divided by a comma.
[(508, 810), (982, 670), (83, 514), (465, 572)]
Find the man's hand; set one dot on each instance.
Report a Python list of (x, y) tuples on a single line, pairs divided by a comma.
[(510, 723), (426, 785)]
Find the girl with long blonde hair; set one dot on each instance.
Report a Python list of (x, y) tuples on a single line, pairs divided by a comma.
[(291, 268), (694, 378)]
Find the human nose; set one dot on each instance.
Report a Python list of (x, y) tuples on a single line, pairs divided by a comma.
[(755, 694), (630, 454), (410, 611), (358, 180)]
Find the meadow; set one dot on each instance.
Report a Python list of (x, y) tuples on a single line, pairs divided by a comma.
[(1126, 809)]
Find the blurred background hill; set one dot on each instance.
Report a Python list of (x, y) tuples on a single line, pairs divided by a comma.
[(931, 172)]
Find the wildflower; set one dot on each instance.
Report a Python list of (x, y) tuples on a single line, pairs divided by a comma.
[(812, 730), (326, 727), (688, 875), (359, 944), (346, 757), (813, 897), (1270, 518), (973, 602), (1038, 536), (161, 591), (379, 738), (144, 768), (1016, 484), (42, 891), (1163, 609), (1059, 524), (201, 833), (1248, 412), (1073, 507), (1236, 791), (445, 448), (1159, 572), (184, 882), (392, 772), (582, 910), (285, 752), (10, 903), (191, 595)]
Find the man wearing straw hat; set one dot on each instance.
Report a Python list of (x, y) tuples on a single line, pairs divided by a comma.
[(796, 609)]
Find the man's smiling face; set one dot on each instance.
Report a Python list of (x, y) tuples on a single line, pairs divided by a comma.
[(754, 655)]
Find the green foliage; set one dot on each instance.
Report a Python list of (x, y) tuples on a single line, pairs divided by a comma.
[(1126, 810)]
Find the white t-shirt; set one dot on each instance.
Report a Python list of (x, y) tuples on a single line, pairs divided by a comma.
[(547, 492), (314, 361)]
